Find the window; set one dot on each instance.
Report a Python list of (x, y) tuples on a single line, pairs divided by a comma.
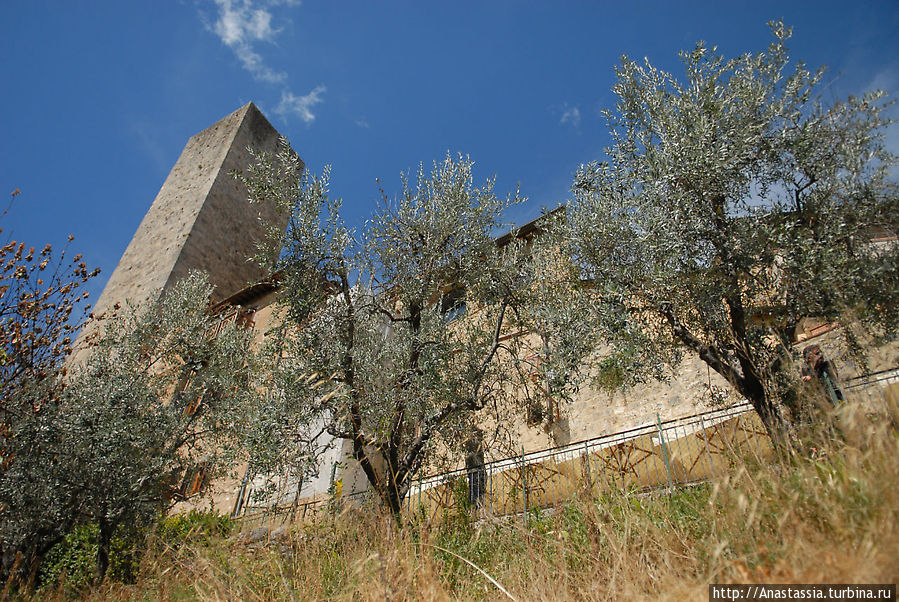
[(452, 305), (195, 480)]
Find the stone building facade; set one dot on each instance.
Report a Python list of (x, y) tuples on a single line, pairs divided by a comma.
[(201, 220)]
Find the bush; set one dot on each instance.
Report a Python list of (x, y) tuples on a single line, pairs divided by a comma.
[(196, 526), (73, 560)]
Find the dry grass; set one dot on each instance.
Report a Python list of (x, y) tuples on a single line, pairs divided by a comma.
[(830, 518)]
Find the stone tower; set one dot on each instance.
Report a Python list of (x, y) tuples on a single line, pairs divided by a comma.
[(201, 219)]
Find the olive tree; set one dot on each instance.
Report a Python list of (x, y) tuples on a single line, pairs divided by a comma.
[(734, 202), (156, 397), (373, 349)]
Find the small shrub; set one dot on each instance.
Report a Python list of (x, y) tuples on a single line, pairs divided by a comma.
[(73, 559), (196, 526)]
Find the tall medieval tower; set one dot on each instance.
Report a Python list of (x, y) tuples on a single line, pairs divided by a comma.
[(201, 219)]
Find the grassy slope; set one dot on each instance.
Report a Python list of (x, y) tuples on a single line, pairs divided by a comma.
[(831, 519)]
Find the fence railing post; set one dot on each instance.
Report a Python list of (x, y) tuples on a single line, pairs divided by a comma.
[(664, 447), (490, 486), (524, 483), (587, 464), (708, 451)]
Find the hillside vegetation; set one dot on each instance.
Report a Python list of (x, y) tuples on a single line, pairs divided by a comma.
[(828, 515)]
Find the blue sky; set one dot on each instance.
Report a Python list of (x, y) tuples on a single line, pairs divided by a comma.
[(101, 96)]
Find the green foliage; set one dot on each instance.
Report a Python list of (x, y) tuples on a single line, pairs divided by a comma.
[(155, 397), (734, 203), (72, 561), (368, 354), (195, 526), (613, 372), (459, 516)]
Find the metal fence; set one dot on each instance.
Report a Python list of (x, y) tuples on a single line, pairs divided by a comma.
[(869, 387), (302, 511), (657, 456), (661, 455)]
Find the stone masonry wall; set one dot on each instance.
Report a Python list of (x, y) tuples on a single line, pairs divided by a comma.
[(228, 228), (593, 413), (200, 219), (691, 390)]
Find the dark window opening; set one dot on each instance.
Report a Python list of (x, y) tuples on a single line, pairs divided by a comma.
[(452, 304), (195, 480)]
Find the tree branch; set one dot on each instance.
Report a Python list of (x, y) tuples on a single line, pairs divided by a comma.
[(707, 353)]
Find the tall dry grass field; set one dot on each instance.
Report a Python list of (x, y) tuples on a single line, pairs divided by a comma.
[(826, 513)]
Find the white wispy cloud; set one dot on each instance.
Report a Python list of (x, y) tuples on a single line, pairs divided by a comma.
[(363, 123), (571, 116), (300, 105), (243, 24), (240, 25)]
